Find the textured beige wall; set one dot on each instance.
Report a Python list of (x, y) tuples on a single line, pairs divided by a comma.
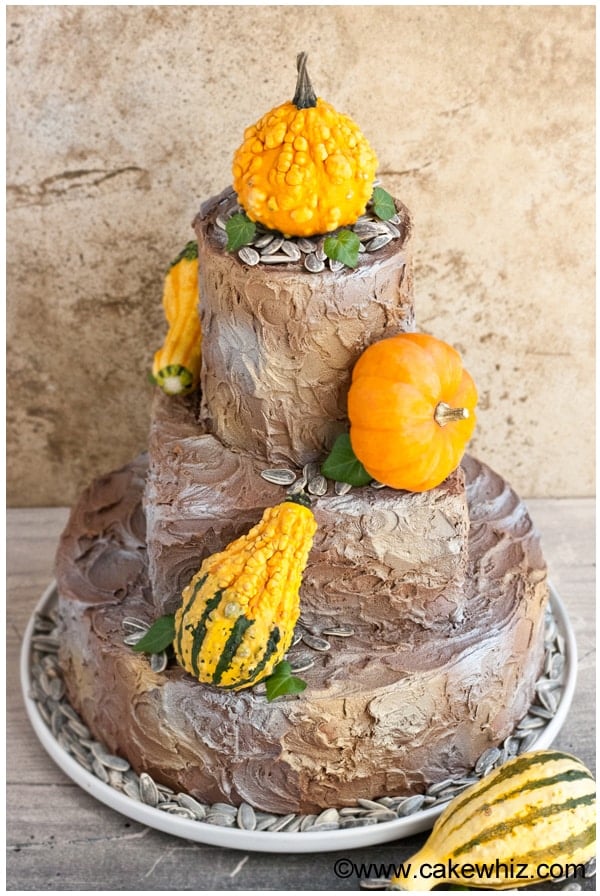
[(122, 119)]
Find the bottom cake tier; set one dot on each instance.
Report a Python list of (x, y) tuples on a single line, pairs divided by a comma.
[(374, 719)]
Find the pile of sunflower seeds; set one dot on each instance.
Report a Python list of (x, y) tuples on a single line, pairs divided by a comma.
[(310, 480), (48, 692), (272, 248)]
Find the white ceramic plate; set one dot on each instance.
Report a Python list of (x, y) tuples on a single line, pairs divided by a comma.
[(266, 841)]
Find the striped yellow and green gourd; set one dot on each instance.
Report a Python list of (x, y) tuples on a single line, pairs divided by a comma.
[(176, 365), (238, 613), (537, 811)]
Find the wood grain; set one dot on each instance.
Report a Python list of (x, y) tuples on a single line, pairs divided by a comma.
[(60, 838)]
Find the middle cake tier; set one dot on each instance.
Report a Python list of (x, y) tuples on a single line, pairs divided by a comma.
[(392, 562), (279, 342)]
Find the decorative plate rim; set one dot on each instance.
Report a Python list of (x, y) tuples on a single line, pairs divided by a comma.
[(268, 841)]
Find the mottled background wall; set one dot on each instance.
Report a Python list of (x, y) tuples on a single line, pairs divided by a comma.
[(122, 119)]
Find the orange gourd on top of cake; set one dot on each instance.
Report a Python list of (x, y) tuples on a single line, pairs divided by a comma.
[(304, 168)]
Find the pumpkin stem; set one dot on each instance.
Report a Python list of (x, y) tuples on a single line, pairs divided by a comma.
[(445, 414), (305, 97)]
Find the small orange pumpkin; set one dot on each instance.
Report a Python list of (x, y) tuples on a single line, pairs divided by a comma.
[(411, 406)]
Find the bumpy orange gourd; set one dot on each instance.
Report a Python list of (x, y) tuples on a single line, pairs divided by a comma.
[(304, 168), (411, 407)]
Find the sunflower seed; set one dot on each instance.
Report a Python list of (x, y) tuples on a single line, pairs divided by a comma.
[(275, 259), (148, 790), (357, 821), (133, 637), (316, 643), (281, 822), (249, 255), (374, 883), (68, 711), (263, 823), (100, 771), (45, 642), (327, 816), (221, 819), (487, 760), (273, 246), (262, 241), (57, 689), (379, 242), (392, 229), (528, 724), (375, 484), (590, 868), (382, 814), (78, 728), (320, 251), (109, 760), (317, 486), (411, 804), (557, 666), (291, 250), (368, 804), (314, 264), (115, 778), (572, 885), (57, 720), (302, 665), (439, 786), (221, 222), (335, 265), (540, 711), (279, 476), (342, 632), (132, 790), (367, 230), (294, 825), (132, 624), (180, 811), (159, 661), (307, 822), (188, 802), (305, 245), (326, 826), (246, 817), (528, 741)]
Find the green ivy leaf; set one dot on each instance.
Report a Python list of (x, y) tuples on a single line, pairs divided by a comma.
[(281, 682), (383, 204), (342, 465), (240, 231), (343, 246), (159, 635)]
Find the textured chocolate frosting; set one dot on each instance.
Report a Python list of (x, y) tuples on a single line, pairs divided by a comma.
[(280, 342), (382, 560), (374, 719)]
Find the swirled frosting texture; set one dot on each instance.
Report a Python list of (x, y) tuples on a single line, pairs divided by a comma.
[(376, 717), (276, 368)]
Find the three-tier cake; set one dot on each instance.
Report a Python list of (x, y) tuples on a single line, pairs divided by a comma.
[(421, 612)]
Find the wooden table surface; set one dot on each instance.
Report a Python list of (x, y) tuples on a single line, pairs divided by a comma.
[(60, 838)]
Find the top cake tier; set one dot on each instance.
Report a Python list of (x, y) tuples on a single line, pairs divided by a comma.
[(280, 341)]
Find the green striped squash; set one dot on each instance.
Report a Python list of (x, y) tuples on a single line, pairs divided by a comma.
[(527, 822), (238, 613)]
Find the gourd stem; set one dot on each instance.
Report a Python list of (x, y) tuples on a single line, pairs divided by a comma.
[(305, 97), (300, 498), (445, 414)]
